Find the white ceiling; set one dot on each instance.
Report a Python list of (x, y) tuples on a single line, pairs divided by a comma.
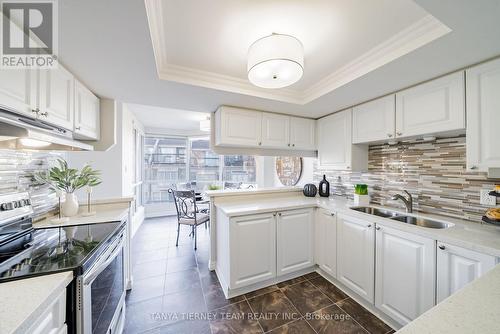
[(107, 44), (166, 118), (205, 43)]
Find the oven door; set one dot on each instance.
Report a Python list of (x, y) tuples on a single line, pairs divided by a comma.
[(101, 293)]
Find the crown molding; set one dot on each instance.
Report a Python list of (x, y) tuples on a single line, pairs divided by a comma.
[(413, 37)]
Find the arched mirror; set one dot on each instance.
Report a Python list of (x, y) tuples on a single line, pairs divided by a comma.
[(289, 170)]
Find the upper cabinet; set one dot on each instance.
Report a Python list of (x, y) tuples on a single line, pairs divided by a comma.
[(53, 96), (18, 90), (56, 97), (432, 107), (235, 127), (302, 133), (483, 116), (238, 127), (87, 112), (374, 120), (275, 130), (335, 148)]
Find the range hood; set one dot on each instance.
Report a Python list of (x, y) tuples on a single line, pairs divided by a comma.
[(25, 133)]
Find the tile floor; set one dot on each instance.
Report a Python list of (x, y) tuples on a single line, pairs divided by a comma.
[(174, 292)]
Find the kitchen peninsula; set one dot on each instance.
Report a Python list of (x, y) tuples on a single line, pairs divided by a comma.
[(262, 237)]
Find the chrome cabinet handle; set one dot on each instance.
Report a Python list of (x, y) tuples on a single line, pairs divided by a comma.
[(293, 145), (332, 214), (348, 167), (288, 145), (399, 133), (279, 214), (36, 111), (377, 228), (442, 247), (46, 114), (260, 143), (473, 167), (274, 214), (389, 135), (78, 128), (369, 225)]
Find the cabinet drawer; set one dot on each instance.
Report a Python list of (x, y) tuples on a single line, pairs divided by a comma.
[(52, 321)]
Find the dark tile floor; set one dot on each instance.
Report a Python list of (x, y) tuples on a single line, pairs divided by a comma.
[(174, 292)]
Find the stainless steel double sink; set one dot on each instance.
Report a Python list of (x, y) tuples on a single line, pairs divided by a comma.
[(423, 222)]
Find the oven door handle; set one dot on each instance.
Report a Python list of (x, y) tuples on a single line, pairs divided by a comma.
[(91, 276)]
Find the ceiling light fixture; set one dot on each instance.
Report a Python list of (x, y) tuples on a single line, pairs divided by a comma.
[(205, 124), (275, 61)]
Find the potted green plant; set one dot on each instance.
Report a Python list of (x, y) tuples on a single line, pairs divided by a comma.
[(361, 197), (67, 180)]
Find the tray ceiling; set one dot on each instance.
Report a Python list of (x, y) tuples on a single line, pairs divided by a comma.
[(205, 43)]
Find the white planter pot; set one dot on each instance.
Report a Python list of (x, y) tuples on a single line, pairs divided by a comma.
[(361, 200), (69, 207)]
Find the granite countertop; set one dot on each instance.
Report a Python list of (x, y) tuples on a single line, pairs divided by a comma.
[(473, 309), (23, 301), (474, 236), (105, 213)]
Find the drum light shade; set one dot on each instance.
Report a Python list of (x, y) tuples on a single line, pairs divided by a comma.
[(275, 61)]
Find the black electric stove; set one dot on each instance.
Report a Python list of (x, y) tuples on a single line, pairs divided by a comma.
[(26, 252)]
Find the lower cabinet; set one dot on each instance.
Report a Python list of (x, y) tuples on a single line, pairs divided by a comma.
[(252, 249), (326, 241), (356, 255), (405, 274), (457, 266), (295, 240), (264, 246), (52, 321)]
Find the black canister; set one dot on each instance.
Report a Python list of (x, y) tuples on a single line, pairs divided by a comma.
[(309, 190), (324, 187)]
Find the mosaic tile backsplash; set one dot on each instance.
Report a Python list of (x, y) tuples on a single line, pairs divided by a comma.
[(433, 172), (16, 174)]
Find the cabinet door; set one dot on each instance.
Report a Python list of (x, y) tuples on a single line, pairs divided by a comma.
[(18, 90), (275, 131), (302, 133), (56, 97), (374, 120), (327, 242), (238, 127), (253, 249), (334, 140), (432, 107), (458, 266), (295, 240), (405, 274), (483, 116), (87, 113), (356, 255)]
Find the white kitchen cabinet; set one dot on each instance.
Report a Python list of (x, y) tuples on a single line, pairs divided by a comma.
[(295, 240), (302, 133), (457, 266), (356, 255), (238, 127), (483, 116), (56, 102), (326, 241), (52, 321), (405, 274), (374, 121), (18, 90), (275, 131), (432, 107), (335, 148), (87, 113), (252, 249)]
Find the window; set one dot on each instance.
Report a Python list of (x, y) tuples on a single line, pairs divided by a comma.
[(174, 162)]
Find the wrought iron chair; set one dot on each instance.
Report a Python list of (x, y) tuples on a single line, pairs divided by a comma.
[(187, 212)]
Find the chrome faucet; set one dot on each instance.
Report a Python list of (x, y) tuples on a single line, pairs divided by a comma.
[(407, 201)]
